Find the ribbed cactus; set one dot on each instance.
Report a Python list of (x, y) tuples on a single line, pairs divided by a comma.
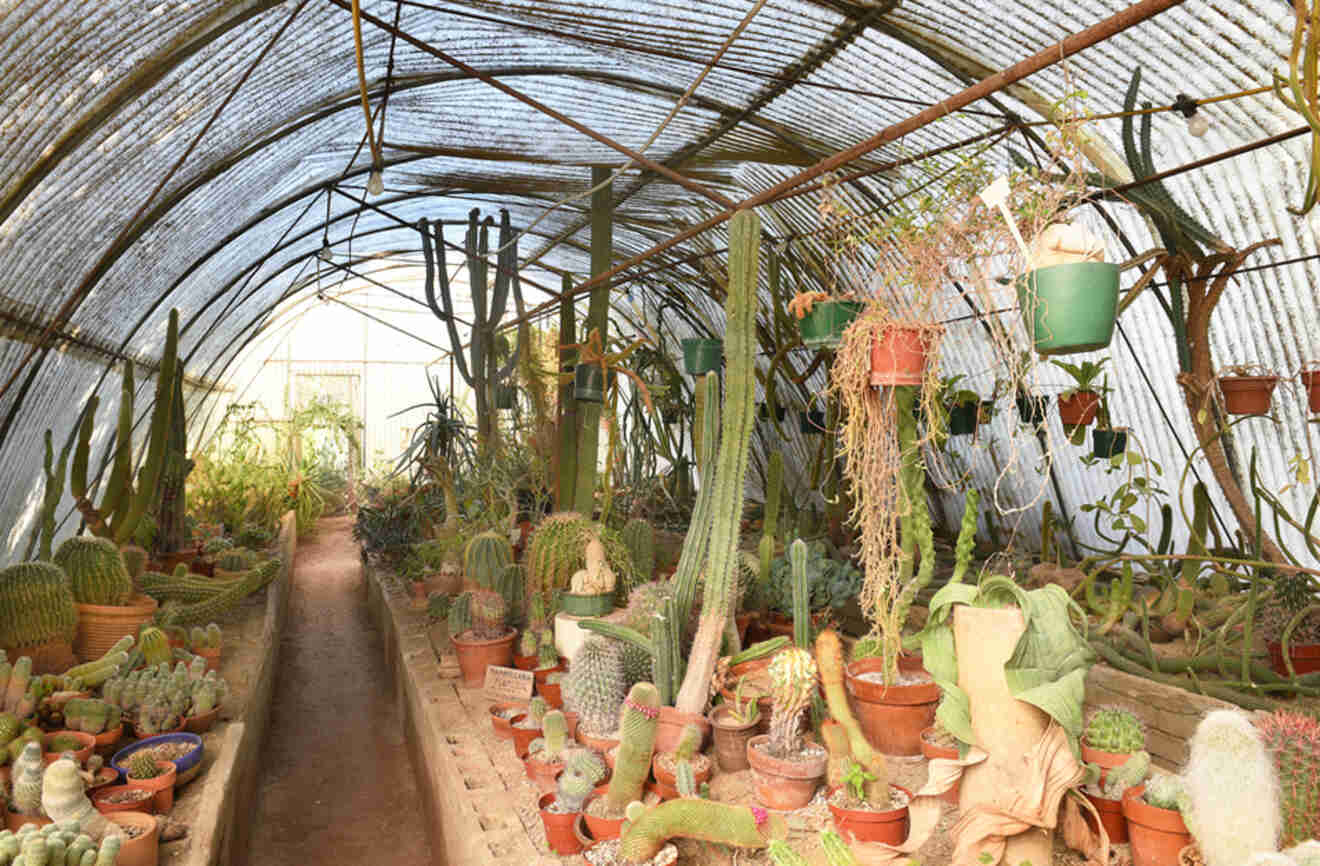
[(1293, 740), (632, 765), (554, 731), (489, 614), (1114, 729), (636, 664), (43, 533), (236, 559), (155, 646), (26, 775), (527, 643), (704, 820), (792, 682), (583, 770), (639, 537), (233, 593), (594, 687), (782, 855), (546, 656), (142, 765), (96, 570), (689, 741), (837, 851), (63, 799), (36, 605), (797, 557), (685, 778), (460, 614), (1132, 773), (1232, 791), (774, 485), (536, 710), (486, 557), (510, 583)]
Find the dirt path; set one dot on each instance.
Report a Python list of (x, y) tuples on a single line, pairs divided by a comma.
[(337, 785)]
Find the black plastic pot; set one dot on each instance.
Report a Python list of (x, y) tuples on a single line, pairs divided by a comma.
[(589, 384), (1107, 443), (962, 419), (1032, 409)]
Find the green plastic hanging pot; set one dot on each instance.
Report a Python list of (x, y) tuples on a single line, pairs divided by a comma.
[(589, 383), (1106, 443), (700, 355), (586, 605), (823, 327), (962, 418), (504, 396), (1070, 308), (1031, 409)]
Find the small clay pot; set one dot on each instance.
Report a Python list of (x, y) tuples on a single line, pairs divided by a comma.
[(731, 739), (1305, 658), (559, 833), (475, 655), (101, 800), (1079, 409), (104, 776), (145, 849), (600, 744), (667, 781), (525, 663), (601, 828), (866, 825), (202, 723), (106, 740), (552, 694), (931, 751), (82, 754), (571, 724), (212, 656), (543, 773), (1156, 835), (502, 727), (892, 717), (1247, 395), (669, 728), (782, 784), (522, 737), (1111, 816), (162, 786), (540, 674)]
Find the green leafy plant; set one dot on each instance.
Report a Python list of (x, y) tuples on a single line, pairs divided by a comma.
[(1083, 375), (855, 777)]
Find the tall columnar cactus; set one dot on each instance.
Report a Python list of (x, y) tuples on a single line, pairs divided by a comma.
[(124, 505), (792, 683), (689, 741), (705, 820), (829, 662), (480, 368), (637, 725), (739, 419), (797, 557), (96, 570), (36, 605), (685, 778), (639, 537), (774, 485), (43, 532), (1293, 740), (486, 556), (1232, 805), (667, 655), (489, 614), (172, 507), (1114, 729), (594, 687)]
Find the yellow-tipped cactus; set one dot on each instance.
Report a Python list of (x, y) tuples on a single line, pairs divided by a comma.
[(792, 682)]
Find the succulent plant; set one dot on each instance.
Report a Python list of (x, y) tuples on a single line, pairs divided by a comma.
[(546, 656), (527, 643), (554, 732), (1133, 771), (689, 741), (486, 556), (26, 775), (1165, 791), (1293, 739), (141, 765), (705, 820), (1114, 729), (639, 537), (64, 801), (583, 769), (685, 778), (594, 686), (155, 646), (792, 683), (632, 764), (1232, 791), (96, 570), (489, 614), (36, 605)]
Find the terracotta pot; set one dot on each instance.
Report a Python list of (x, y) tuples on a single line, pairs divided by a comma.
[(931, 751), (145, 849), (1111, 816), (730, 740), (525, 663), (13, 820), (600, 744), (1305, 658), (601, 828), (1157, 835), (892, 717), (474, 656), (522, 737), (539, 675), (100, 626), (582, 833), (1247, 395), (864, 825), (100, 799), (212, 656), (543, 773), (1106, 761), (52, 657), (559, 833), (780, 784), (554, 697), (106, 740), (417, 594), (898, 356), (200, 724), (104, 776), (502, 727), (88, 743), (162, 786), (669, 729), (1311, 379), (665, 779), (1079, 409)]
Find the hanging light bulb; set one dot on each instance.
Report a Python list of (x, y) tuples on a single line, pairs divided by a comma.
[(324, 254), (1197, 123), (375, 183)]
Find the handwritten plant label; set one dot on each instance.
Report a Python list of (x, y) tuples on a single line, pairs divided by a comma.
[(508, 684)]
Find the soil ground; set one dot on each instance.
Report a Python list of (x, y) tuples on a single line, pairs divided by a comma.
[(337, 784)]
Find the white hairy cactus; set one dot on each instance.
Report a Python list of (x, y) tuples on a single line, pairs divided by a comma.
[(1232, 791)]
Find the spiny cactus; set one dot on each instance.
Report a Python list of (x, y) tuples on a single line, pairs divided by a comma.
[(689, 741), (1114, 729), (236, 559), (233, 593), (792, 682), (96, 570), (557, 551), (26, 778), (1133, 771), (527, 643), (797, 556), (1165, 791), (216, 545), (488, 615), (685, 778), (639, 537), (583, 769), (554, 733), (594, 687), (536, 710), (486, 556), (1232, 792), (632, 765), (1293, 740), (36, 605), (460, 614), (837, 851), (142, 765), (63, 799), (705, 820), (155, 646), (546, 656)]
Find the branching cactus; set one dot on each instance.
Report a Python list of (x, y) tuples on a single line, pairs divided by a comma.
[(1132, 773), (637, 726), (792, 682), (1114, 729), (594, 687), (829, 660), (1294, 741), (488, 615), (1232, 791)]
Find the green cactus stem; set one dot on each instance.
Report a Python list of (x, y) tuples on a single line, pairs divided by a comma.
[(639, 537), (582, 771), (782, 855), (43, 532), (689, 741), (837, 851), (554, 730), (632, 765), (1132, 773), (685, 778), (36, 605), (797, 557), (96, 570), (486, 556), (704, 820), (594, 687), (460, 614), (967, 535)]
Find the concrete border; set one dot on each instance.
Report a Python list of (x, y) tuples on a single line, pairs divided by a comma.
[(468, 793), (219, 834)]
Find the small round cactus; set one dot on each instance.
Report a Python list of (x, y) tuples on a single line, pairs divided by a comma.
[(1113, 729)]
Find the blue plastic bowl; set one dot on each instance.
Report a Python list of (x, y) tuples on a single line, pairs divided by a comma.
[(182, 765)]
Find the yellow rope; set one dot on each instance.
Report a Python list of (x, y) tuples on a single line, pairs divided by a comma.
[(362, 82)]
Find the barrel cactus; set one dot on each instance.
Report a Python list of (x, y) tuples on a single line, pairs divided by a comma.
[(486, 556), (36, 605), (1114, 729), (27, 773), (594, 687), (96, 570), (155, 646), (792, 683), (489, 613)]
